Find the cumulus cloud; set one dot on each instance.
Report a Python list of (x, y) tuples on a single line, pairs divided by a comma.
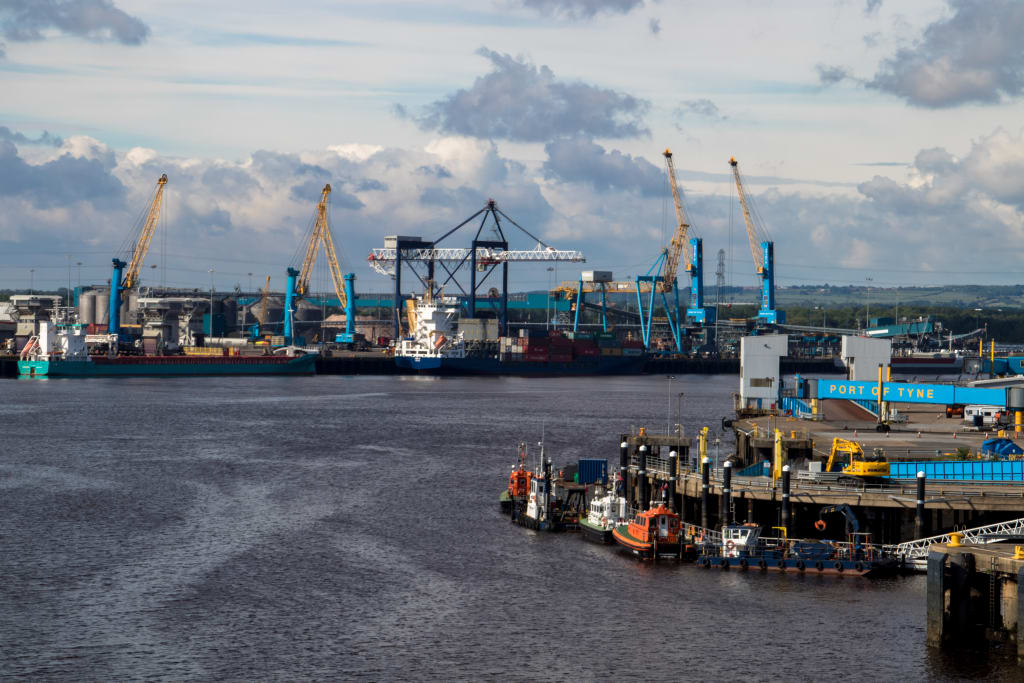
[(101, 20), (21, 139), (972, 56), (830, 75), (522, 102), (582, 9), (701, 107), (580, 160), (68, 179)]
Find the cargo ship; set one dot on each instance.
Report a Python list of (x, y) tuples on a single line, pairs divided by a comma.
[(60, 351), (436, 346)]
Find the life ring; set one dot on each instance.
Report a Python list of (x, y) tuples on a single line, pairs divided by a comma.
[(729, 545), (838, 566), (724, 563), (743, 563), (820, 525), (859, 566), (604, 520), (761, 564), (819, 565), (800, 565)]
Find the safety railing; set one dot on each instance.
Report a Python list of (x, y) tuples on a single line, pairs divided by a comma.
[(919, 548)]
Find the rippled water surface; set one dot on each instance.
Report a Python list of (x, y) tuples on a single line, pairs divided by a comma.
[(348, 527)]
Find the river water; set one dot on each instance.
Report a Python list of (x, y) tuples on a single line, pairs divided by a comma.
[(348, 528)]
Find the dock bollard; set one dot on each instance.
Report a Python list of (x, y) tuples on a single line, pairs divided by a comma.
[(624, 468), (785, 498), (672, 458), (641, 473), (919, 530), (705, 483), (726, 512)]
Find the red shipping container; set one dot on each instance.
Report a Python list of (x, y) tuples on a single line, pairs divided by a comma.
[(561, 358)]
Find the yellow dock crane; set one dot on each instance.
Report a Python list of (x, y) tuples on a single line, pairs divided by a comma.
[(126, 275), (762, 248), (298, 280), (693, 251)]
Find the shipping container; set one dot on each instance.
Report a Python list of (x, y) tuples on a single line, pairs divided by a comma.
[(632, 352), (592, 471)]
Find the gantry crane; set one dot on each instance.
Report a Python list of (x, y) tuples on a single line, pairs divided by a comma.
[(692, 250), (124, 279), (762, 248), (298, 280)]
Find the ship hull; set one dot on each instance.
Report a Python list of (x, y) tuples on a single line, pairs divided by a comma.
[(595, 534), (598, 365), (159, 366)]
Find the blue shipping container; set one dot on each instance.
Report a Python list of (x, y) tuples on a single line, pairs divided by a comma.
[(960, 470), (593, 471)]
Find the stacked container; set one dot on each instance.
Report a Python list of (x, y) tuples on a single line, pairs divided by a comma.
[(560, 348), (632, 347)]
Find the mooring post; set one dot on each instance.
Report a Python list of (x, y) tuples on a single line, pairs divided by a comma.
[(961, 567), (673, 458), (705, 483), (919, 526), (1020, 616), (785, 498), (641, 473), (624, 470), (726, 512), (936, 600)]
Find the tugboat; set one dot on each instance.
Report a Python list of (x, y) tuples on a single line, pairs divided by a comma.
[(651, 534), (518, 484), (605, 513)]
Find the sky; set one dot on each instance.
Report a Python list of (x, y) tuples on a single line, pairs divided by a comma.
[(880, 142)]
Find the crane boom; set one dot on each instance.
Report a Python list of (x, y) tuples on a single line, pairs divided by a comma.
[(321, 235), (679, 246), (755, 242), (131, 274)]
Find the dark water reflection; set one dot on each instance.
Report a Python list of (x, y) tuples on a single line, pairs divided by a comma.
[(333, 527)]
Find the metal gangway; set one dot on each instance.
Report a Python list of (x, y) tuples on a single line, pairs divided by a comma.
[(915, 553)]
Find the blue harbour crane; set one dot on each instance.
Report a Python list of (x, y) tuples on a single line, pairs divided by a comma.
[(762, 249), (298, 278), (125, 276)]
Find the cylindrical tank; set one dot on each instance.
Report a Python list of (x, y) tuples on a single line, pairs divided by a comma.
[(1015, 398), (102, 308), (87, 308)]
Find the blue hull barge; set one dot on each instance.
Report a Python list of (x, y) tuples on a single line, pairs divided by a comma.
[(742, 547)]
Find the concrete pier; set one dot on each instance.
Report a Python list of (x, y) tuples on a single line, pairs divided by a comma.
[(974, 598)]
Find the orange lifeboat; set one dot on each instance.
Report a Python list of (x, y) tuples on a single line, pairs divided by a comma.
[(653, 532)]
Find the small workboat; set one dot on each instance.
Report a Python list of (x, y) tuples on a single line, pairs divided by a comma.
[(603, 515), (518, 484), (651, 534), (743, 547)]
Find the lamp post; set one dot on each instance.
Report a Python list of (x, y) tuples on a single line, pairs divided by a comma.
[(679, 413), (211, 302), (668, 418), (31, 280), (548, 309), (79, 264), (68, 302)]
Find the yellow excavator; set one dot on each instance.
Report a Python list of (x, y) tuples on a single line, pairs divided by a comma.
[(848, 458)]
